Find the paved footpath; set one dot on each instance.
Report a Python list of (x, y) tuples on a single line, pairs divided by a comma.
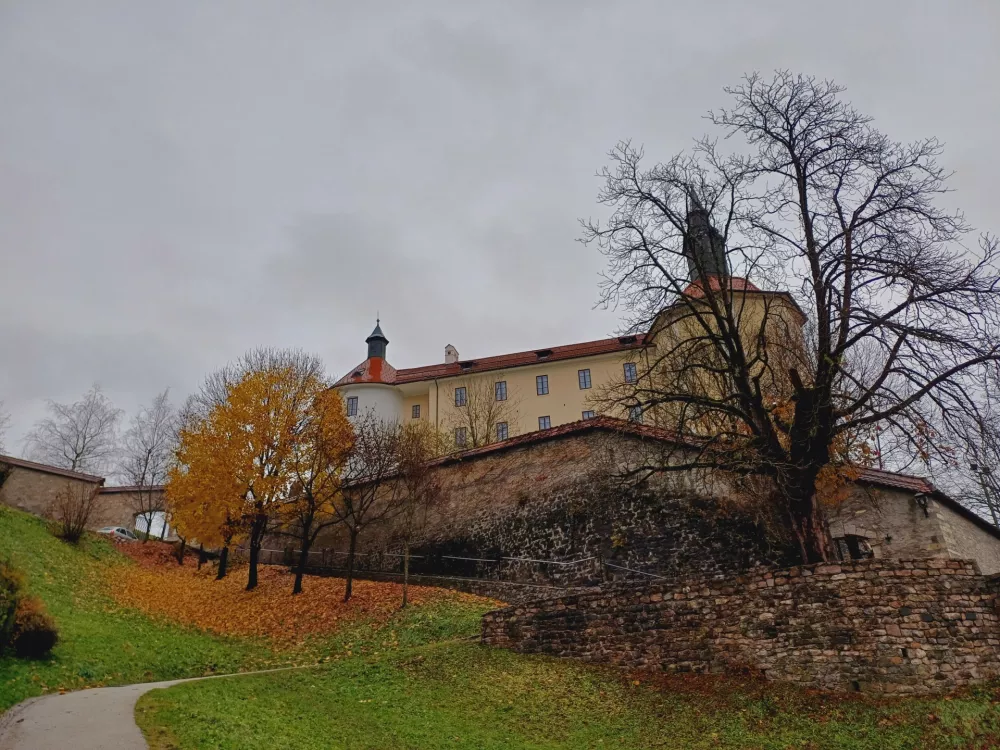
[(95, 719)]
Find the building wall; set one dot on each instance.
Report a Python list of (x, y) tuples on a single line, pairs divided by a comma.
[(897, 526), (385, 400), (36, 492), (889, 626), (564, 403)]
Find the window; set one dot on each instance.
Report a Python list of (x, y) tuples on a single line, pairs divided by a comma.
[(501, 431), (584, 378), (588, 415), (501, 390), (544, 423), (460, 437), (460, 396), (630, 373), (853, 547), (635, 414), (542, 384), (352, 406), (415, 411)]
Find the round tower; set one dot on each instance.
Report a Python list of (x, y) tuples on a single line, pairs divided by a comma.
[(370, 387)]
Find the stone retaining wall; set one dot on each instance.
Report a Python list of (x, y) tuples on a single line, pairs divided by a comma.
[(879, 625)]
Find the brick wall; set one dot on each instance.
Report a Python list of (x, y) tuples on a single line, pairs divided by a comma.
[(879, 625)]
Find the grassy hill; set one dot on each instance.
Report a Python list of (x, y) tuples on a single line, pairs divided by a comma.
[(101, 643)]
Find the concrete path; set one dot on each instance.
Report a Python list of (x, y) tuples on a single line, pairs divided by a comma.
[(95, 719)]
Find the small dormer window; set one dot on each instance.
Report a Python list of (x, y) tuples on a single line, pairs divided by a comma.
[(543, 353), (467, 365), (627, 339)]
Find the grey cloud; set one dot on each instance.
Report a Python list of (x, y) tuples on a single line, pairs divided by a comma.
[(182, 181)]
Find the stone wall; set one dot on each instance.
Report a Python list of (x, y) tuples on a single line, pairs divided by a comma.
[(878, 625), (35, 490), (550, 506)]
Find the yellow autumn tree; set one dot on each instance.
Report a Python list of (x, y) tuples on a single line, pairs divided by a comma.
[(202, 492), (237, 466), (320, 451)]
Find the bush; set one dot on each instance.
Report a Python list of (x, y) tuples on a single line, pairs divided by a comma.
[(35, 631), (11, 583)]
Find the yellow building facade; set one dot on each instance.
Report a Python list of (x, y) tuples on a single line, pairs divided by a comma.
[(481, 401)]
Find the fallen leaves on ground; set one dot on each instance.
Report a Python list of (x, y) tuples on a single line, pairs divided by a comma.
[(158, 585)]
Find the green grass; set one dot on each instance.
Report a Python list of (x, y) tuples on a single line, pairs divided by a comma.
[(100, 643), (455, 693)]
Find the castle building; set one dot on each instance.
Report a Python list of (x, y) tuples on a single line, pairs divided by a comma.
[(490, 399)]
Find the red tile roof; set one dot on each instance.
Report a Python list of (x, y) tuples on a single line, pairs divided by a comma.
[(372, 370), (377, 371), (46, 469)]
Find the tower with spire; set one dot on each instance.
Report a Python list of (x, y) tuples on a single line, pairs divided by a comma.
[(371, 386)]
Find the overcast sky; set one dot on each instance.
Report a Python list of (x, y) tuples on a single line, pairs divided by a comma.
[(181, 181)]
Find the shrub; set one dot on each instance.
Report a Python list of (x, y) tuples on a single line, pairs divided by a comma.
[(72, 508), (11, 583), (35, 631)]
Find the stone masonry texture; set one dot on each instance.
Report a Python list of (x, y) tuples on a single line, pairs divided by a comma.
[(885, 626)]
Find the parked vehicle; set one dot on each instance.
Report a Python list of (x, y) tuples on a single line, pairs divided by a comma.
[(118, 532)]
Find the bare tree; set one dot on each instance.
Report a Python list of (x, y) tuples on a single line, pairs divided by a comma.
[(72, 508), (4, 425), (82, 436), (147, 450), (323, 447), (903, 320), (369, 492), (487, 415), (419, 443)]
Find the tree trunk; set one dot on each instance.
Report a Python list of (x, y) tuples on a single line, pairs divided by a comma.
[(256, 540), (406, 571), (180, 551), (149, 527), (223, 559), (350, 565), (301, 568), (201, 555), (252, 578)]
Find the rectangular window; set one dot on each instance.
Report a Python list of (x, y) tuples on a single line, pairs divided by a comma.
[(542, 384), (460, 396), (501, 390), (352, 406), (501, 431), (544, 423), (415, 412), (588, 415), (460, 437), (635, 414), (584, 377), (630, 373)]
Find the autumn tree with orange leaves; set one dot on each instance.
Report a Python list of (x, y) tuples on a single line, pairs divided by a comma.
[(238, 447)]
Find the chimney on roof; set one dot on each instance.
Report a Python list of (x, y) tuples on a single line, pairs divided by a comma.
[(703, 246), (450, 355)]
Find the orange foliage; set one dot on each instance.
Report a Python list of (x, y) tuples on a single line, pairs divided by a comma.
[(159, 586)]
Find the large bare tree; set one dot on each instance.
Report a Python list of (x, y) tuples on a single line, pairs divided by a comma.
[(145, 457), (903, 318), (82, 436)]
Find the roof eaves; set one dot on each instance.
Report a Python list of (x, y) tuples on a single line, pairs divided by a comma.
[(47, 469)]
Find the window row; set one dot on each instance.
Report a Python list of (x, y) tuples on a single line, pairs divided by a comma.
[(542, 384)]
